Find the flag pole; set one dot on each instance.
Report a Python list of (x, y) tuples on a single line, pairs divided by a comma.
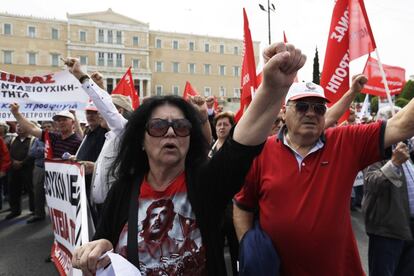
[(384, 79)]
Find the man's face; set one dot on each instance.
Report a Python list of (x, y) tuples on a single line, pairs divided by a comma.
[(305, 123), (47, 126), (210, 102), (93, 118), (64, 124), (158, 222)]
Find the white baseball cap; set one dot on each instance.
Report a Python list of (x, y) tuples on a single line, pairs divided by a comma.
[(64, 113), (300, 90)]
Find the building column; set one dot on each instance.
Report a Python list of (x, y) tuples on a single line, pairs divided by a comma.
[(148, 88), (141, 88)]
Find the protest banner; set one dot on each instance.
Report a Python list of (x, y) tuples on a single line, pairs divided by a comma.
[(68, 210), (40, 97)]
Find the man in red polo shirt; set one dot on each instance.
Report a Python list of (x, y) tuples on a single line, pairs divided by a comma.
[(302, 180)]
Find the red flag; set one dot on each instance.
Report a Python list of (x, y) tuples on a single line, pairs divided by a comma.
[(48, 146), (284, 37), (126, 87), (395, 78), (350, 37), (215, 107), (189, 91), (248, 71)]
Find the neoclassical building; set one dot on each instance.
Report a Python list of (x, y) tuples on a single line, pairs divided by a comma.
[(109, 42)]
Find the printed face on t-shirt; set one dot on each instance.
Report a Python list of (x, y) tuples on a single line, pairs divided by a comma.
[(158, 222)]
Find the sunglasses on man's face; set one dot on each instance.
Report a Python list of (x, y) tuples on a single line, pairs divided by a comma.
[(159, 127), (303, 107)]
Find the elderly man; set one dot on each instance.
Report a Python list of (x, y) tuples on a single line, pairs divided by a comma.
[(388, 208), (302, 180), (66, 140)]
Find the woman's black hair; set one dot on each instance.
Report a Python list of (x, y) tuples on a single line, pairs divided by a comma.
[(132, 160)]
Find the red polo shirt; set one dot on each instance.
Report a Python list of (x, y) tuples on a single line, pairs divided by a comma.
[(306, 211)]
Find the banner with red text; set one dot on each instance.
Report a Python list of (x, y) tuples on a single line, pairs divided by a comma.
[(40, 97), (375, 86), (68, 210)]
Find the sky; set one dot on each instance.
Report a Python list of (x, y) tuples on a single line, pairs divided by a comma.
[(306, 22)]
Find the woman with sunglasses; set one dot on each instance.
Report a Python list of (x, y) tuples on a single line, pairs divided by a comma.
[(163, 159)]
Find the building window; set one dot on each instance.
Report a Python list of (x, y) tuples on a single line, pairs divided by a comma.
[(118, 60), (101, 59), (176, 67), (222, 91), (191, 68), (158, 43), (175, 44), (110, 36), (206, 47), (7, 57), (55, 33), (221, 49), (236, 71), (236, 92), (236, 50), (109, 85), (135, 40), (7, 29), (83, 60), (32, 58), (207, 69), (31, 31), (110, 61), (159, 66), (191, 46), (158, 90), (135, 63), (222, 70), (118, 37), (101, 36), (207, 91), (82, 36), (175, 90), (55, 59)]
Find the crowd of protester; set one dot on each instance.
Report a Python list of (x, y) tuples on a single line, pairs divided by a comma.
[(172, 182)]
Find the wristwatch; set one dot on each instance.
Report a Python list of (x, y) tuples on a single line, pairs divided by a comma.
[(83, 78)]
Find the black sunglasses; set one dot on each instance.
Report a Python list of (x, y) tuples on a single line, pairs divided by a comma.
[(303, 107), (159, 127)]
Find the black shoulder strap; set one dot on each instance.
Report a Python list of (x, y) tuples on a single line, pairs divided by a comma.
[(132, 243)]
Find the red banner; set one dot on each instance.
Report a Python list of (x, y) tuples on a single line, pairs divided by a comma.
[(126, 87), (189, 91), (375, 86), (350, 37), (248, 71)]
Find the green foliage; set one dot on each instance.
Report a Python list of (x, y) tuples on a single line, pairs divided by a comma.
[(316, 73), (408, 90), (359, 98), (401, 102), (374, 104)]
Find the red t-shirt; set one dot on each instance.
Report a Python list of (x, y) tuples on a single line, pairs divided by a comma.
[(169, 241), (306, 212)]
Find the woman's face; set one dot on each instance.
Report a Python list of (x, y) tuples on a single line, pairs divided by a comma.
[(223, 127), (170, 149)]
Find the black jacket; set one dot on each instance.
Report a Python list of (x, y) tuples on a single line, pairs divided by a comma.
[(209, 187)]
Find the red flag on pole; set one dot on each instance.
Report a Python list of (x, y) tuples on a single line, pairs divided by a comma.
[(375, 86), (48, 146), (126, 87), (284, 37), (248, 71), (350, 37), (189, 91)]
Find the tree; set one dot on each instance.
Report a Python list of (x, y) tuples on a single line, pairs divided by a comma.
[(316, 73), (374, 104), (401, 102), (408, 90)]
